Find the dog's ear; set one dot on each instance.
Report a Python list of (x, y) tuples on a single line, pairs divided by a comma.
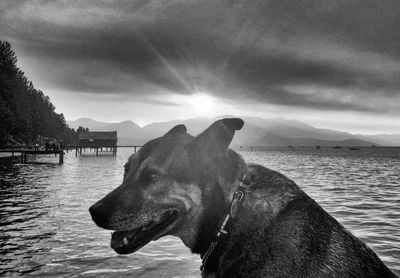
[(218, 136), (178, 129)]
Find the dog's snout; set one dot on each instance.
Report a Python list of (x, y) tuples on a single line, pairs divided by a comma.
[(92, 209), (99, 214)]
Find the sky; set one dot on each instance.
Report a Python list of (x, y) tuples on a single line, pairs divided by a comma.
[(329, 63)]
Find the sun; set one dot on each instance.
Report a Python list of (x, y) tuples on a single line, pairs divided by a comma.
[(202, 103), (197, 104)]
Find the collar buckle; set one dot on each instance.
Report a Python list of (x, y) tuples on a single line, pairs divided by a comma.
[(238, 195)]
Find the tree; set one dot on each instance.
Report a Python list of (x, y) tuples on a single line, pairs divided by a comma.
[(26, 112)]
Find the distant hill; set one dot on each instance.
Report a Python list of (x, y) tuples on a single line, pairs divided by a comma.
[(85, 122), (283, 132), (124, 129), (256, 132), (384, 139)]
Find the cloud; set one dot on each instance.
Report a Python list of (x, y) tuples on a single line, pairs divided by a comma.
[(334, 55), (160, 102)]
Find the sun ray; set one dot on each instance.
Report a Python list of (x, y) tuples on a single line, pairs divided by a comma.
[(169, 67)]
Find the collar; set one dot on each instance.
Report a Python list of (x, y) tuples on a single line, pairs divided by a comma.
[(222, 233)]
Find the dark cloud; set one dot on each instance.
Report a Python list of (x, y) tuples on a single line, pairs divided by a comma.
[(233, 49)]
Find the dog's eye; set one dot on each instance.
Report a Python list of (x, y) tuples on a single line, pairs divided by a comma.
[(149, 175), (152, 176)]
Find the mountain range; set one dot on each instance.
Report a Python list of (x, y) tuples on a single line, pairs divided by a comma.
[(256, 132)]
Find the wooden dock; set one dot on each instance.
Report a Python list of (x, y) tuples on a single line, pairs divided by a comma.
[(23, 153), (80, 149)]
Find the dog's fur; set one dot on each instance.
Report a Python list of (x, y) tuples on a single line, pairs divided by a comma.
[(182, 185)]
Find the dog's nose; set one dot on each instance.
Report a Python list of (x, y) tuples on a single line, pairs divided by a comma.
[(92, 210), (99, 215)]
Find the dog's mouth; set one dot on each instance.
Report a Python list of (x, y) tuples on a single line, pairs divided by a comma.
[(125, 242)]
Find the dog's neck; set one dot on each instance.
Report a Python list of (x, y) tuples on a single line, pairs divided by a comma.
[(204, 221), (198, 233), (211, 255)]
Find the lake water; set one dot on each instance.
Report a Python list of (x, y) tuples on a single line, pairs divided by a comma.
[(46, 230)]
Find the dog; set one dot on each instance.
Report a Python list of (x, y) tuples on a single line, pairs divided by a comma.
[(243, 220)]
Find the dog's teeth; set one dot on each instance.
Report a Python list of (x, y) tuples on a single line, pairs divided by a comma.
[(125, 241)]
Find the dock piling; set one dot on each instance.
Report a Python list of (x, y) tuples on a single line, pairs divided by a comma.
[(61, 158)]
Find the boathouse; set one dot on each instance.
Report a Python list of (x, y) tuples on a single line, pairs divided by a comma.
[(98, 140)]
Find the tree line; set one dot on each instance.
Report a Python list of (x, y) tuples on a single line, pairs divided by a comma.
[(26, 112)]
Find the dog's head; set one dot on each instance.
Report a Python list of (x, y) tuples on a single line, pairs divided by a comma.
[(169, 187)]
